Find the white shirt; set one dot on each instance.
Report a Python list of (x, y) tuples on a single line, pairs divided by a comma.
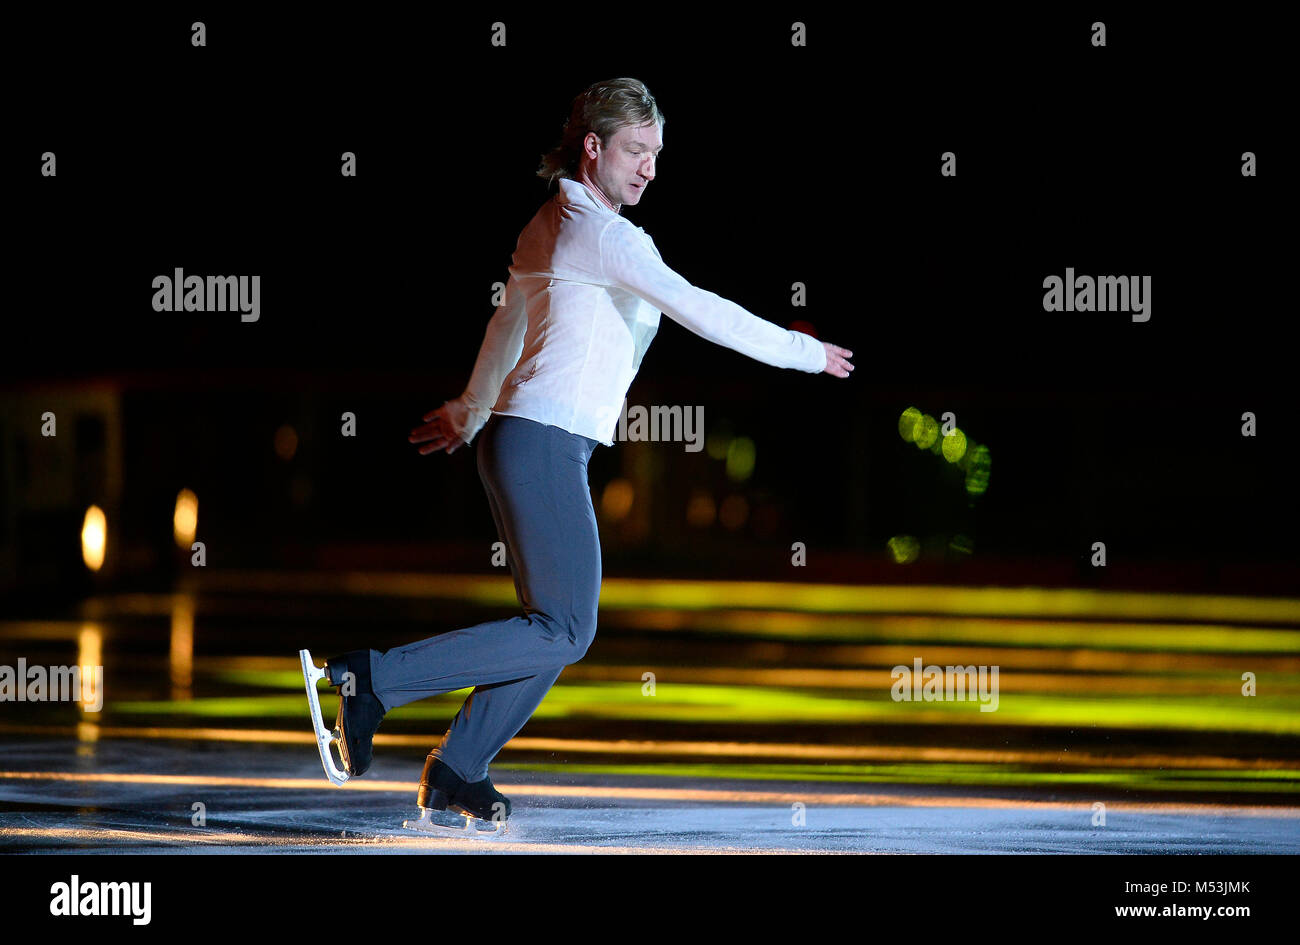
[(581, 307)]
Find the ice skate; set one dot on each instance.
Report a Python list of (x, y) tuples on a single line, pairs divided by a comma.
[(455, 823), (359, 716), (450, 807), (324, 737)]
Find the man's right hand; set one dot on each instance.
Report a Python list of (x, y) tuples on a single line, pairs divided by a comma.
[(437, 432)]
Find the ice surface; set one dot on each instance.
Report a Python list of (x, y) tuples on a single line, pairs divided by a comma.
[(129, 796)]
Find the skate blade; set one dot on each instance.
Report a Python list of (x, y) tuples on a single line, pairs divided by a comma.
[(311, 674), (452, 823)]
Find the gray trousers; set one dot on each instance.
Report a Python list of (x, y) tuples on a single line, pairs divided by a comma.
[(535, 476)]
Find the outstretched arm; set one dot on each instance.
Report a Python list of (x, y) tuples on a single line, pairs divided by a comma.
[(458, 420), (629, 263)]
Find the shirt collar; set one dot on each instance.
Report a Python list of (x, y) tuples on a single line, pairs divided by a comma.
[(576, 191)]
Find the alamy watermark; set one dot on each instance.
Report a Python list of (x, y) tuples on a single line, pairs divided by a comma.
[(77, 898), (659, 423), (53, 684), (946, 684), (181, 293), (1099, 294)]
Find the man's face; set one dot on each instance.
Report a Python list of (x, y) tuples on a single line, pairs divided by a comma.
[(623, 169)]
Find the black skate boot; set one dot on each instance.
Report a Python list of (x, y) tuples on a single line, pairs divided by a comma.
[(359, 713), (480, 799), (448, 805), (438, 785)]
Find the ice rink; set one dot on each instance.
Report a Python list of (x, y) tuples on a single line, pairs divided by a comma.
[(140, 797), (768, 727)]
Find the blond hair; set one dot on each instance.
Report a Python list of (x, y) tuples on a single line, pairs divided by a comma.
[(603, 108)]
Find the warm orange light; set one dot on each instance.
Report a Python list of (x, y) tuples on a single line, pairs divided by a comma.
[(181, 657), (734, 512), (286, 442), (700, 511), (90, 660), (185, 520), (94, 537), (616, 502)]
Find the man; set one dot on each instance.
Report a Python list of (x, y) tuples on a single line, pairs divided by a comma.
[(581, 306), (583, 272)]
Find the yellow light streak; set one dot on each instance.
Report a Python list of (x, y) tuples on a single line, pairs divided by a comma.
[(1068, 603), (787, 751)]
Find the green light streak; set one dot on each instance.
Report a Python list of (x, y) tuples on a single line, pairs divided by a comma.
[(698, 704), (1272, 782), (1040, 602)]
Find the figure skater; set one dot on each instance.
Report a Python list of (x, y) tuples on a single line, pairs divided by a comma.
[(581, 306)]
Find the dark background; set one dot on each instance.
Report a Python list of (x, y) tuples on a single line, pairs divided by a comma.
[(781, 164)]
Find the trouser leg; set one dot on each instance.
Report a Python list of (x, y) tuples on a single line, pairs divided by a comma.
[(490, 717), (535, 477)]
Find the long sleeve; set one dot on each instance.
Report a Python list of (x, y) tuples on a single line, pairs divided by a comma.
[(628, 262), (503, 342)]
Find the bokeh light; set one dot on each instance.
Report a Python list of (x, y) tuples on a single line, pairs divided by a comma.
[(927, 432), (954, 446), (904, 548), (286, 442), (907, 422), (616, 500), (185, 519), (701, 510), (734, 512), (740, 459), (978, 470), (94, 537)]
